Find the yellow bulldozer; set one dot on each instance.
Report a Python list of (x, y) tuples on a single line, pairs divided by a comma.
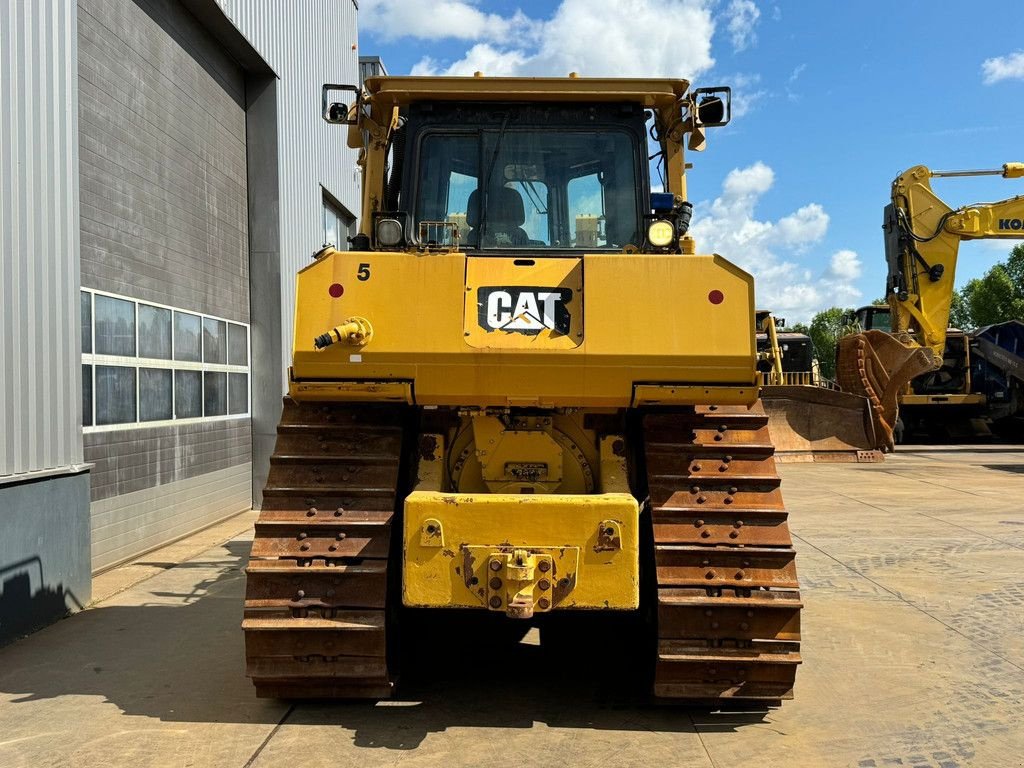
[(809, 417), (922, 240), (523, 394)]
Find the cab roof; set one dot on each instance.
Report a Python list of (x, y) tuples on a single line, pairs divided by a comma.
[(654, 93)]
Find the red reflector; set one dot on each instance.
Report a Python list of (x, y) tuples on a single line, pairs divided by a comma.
[(716, 297), (336, 290)]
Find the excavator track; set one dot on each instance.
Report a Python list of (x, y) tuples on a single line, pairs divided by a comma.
[(728, 605), (317, 583)]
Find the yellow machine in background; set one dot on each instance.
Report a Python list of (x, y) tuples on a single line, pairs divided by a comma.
[(942, 401), (809, 417), (523, 392), (922, 239)]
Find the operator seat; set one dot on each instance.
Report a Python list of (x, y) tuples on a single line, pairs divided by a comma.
[(505, 216)]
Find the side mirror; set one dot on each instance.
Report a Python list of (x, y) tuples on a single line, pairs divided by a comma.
[(335, 111), (713, 106)]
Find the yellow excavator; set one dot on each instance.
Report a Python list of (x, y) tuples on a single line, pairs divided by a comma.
[(922, 239), (522, 396)]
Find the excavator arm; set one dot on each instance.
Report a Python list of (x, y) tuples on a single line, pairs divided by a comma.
[(922, 239)]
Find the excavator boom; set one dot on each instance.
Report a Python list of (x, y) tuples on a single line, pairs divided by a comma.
[(922, 240)]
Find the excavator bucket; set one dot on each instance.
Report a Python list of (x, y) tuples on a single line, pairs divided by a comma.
[(878, 366), (809, 423)]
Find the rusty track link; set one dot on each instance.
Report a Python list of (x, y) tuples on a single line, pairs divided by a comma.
[(317, 580), (728, 601)]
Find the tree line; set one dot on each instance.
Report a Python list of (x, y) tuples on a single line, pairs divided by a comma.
[(995, 297)]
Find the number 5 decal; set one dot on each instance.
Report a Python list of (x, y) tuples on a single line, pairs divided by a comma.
[(363, 273)]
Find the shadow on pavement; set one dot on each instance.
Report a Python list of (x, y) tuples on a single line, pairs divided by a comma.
[(179, 657)]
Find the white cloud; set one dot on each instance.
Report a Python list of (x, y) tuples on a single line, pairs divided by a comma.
[(741, 189), (482, 57), (1009, 67), (845, 265), (802, 228), (610, 38), (596, 38), (791, 94), (767, 249), (742, 16), (440, 19)]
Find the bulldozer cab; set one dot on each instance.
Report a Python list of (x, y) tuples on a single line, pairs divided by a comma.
[(554, 166), (540, 177), (796, 350)]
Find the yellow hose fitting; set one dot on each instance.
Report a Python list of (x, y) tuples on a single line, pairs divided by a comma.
[(356, 331)]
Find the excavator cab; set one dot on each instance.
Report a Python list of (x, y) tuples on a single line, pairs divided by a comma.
[(873, 317)]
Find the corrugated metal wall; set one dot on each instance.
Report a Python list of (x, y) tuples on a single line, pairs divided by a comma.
[(164, 216), (163, 159), (313, 43), (40, 376)]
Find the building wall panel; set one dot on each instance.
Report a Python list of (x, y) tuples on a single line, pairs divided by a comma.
[(164, 219), (44, 552), (129, 460), (163, 161), (312, 44), (129, 525), (40, 379)]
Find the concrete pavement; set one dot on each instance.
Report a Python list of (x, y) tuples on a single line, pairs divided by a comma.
[(913, 646)]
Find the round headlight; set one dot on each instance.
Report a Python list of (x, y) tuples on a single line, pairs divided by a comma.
[(389, 232), (660, 233)]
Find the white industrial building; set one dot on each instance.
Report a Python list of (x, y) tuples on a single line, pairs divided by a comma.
[(164, 172)]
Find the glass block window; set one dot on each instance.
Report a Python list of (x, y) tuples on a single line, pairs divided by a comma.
[(115, 394), (187, 337), (215, 341), (215, 393), (154, 332), (188, 394), (144, 364), (115, 326), (156, 394), (86, 395), (238, 344), (86, 322), (238, 393)]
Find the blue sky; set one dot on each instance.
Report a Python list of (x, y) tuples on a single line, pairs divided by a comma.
[(834, 99)]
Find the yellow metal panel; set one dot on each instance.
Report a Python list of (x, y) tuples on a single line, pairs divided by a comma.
[(590, 568), (641, 307), (650, 92), (349, 391), (650, 319), (666, 394)]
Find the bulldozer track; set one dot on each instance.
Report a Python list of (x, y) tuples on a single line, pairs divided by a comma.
[(728, 605), (316, 596)]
